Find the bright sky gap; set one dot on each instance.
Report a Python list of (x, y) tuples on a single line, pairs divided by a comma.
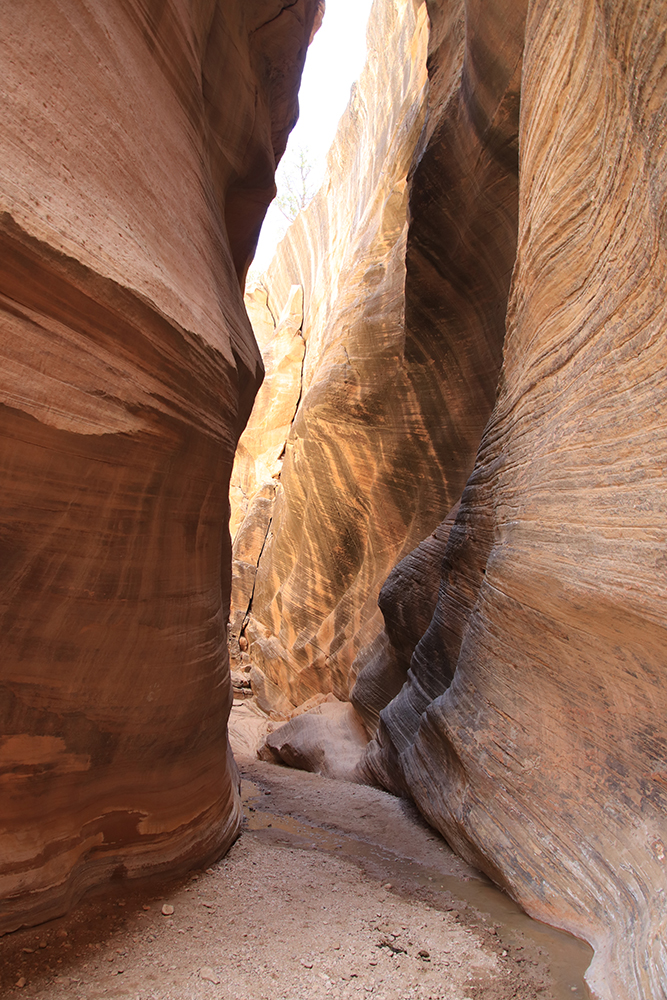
[(334, 62)]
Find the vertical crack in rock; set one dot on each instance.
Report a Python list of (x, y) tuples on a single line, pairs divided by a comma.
[(261, 449), (248, 610)]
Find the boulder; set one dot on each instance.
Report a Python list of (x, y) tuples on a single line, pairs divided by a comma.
[(328, 739)]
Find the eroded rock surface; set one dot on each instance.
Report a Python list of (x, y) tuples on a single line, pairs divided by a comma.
[(530, 726), (362, 481), (403, 329), (258, 460), (460, 250), (139, 143), (407, 601), (328, 738), (531, 729)]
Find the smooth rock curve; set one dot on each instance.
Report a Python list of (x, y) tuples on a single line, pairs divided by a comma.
[(531, 728), (138, 146)]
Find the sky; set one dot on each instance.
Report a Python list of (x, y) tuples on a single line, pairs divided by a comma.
[(334, 61)]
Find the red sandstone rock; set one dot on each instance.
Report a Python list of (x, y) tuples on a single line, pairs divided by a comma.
[(531, 729), (138, 145)]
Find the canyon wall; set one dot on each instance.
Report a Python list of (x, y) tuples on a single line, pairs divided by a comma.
[(531, 729), (529, 627), (389, 418), (139, 142)]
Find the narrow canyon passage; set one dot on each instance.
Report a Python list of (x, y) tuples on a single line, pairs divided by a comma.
[(438, 539), (334, 890)]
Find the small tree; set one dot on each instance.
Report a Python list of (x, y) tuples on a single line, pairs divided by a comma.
[(295, 188)]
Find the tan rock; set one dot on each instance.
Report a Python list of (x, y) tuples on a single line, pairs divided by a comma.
[(137, 152), (531, 728), (247, 548), (258, 458), (407, 600), (336, 527), (328, 739), (307, 706), (256, 301), (208, 975), (269, 697), (400, 373), (248, 727)]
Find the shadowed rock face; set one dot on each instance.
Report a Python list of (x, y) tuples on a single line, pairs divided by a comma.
[(460, 251), (138, 147), (397, 385), (531, 728)]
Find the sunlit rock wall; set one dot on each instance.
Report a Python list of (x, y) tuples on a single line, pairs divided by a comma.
[(259, 456), (138, 144), (404, 330), (532, 730), (460, 251), (363, 477)]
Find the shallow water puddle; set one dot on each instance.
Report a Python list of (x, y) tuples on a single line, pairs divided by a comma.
[(567, 956)]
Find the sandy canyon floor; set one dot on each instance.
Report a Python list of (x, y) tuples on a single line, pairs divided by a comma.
[(333, 890)]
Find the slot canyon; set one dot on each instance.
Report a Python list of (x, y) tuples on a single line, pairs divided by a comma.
[(389, 512)]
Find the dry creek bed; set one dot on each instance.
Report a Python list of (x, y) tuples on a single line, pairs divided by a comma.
[(333, 891)]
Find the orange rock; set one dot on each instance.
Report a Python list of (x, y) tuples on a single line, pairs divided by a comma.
[(531, 730), (138, 145)]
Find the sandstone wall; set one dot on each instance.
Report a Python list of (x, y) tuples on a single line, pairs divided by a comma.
[(403, 330), (138, 144), (460, 252), (531, 730), (367, 470)]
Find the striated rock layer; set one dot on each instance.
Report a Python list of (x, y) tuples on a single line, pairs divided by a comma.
[(259, 456), (460, 252), (518, 677), (139, 142), (345, 508), (531, 729), (398, 379)]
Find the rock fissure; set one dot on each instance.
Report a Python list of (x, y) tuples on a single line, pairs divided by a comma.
[(248, 610)]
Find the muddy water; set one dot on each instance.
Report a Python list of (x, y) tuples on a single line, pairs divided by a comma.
[(568, 957)]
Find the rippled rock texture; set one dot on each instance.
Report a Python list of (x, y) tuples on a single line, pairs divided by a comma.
[(531, 729), (529, 626), (403, 327), (139, 143), (365, 473), (460, 251)]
